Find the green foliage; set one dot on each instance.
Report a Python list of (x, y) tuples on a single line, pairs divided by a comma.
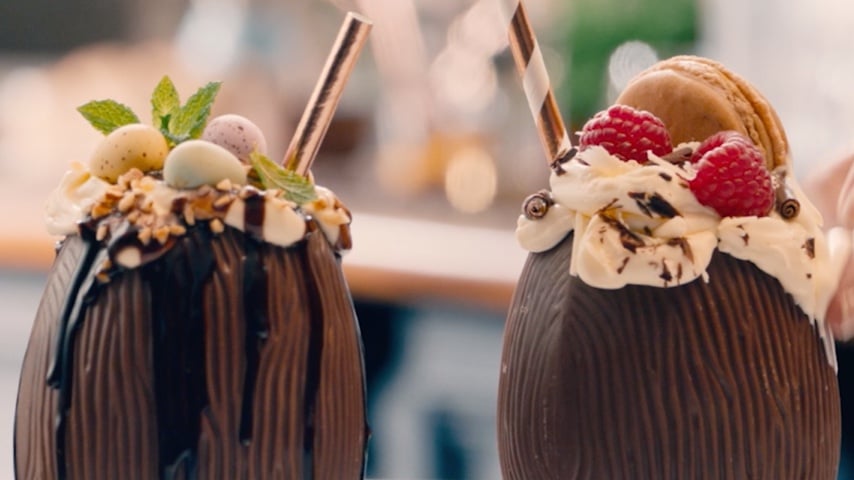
[(107, 115), (177, 123), (294, 186)]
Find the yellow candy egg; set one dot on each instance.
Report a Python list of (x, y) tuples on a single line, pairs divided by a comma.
[(136, 145)]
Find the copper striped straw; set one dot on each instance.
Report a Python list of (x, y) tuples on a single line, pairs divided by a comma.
[(535, 80), (321, 106)]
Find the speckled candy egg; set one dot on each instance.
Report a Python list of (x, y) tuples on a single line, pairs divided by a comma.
[(236, 134), (136, 145), (196, 162)]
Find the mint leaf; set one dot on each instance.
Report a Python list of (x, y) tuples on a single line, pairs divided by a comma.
[(107, 115), (189, 121), (164, 102), (295, 187)]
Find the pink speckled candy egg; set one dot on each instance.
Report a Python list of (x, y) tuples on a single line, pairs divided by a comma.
[(236, 134)]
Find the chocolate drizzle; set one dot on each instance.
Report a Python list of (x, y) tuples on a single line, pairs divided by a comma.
[(178, 350), (196, 371), (59, 375), (254, 309), (312, 371)]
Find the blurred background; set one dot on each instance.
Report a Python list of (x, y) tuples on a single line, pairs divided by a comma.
[(432, 148)]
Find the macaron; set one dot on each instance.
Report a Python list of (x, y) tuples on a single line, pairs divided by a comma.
[(697, 97)]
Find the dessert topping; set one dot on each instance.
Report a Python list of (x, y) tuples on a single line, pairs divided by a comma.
[(627, 133), (732, 177)]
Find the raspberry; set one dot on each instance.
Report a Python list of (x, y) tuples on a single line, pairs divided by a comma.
[(732, 177), (626, 133)]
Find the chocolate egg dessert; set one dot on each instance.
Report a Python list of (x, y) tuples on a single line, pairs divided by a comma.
[(669, 321), (196, 323)]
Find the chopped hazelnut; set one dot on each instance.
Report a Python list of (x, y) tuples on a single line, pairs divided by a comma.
[(217, 226), (100, 210), (101, 233), (224, 185), (223, 202), (114, 192), (189, 215), (177, 230), (161, 234), (127, 202), (147, 184), (144, 235)]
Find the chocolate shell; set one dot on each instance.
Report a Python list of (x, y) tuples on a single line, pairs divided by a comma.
[(225, 358), (725, 379)]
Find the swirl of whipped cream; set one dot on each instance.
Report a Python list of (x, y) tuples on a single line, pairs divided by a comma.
[(72, 200), (641, 225)]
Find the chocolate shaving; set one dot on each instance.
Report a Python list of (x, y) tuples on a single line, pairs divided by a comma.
[(665, 273), (683, 244), (666, 176), (653, 205), (557, 165), (610, 206), (786, 203), (630, 240), (622, 266), (679, 155), (809, 247), (744, 236), (640, 199), (659, 205)]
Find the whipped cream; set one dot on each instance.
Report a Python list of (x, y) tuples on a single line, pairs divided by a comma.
[(641, 225)]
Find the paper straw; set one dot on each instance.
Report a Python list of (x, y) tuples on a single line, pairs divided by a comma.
[(324, 100), (535, 80)]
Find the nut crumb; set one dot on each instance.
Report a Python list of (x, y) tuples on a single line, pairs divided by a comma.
[(127, 202), (223, 202), (224, 185), (177, 230), (217, 226), (144, 235), (114, 192), (147, 184), (100, 210), (189, 215), (133, 216), (161, 234), (101, 233)]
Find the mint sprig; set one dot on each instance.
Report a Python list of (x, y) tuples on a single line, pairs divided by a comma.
[(164, 102), (176, 122), (294, 186), (107, 115), (189, 120)]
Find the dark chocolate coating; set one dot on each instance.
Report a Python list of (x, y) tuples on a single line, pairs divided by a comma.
[(227, 358), (720, 380)]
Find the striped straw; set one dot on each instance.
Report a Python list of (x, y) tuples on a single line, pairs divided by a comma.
[(535, 81)]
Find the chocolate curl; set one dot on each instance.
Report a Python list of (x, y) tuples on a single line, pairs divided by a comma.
[(324, 100), (535, 80), (787, 205)]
